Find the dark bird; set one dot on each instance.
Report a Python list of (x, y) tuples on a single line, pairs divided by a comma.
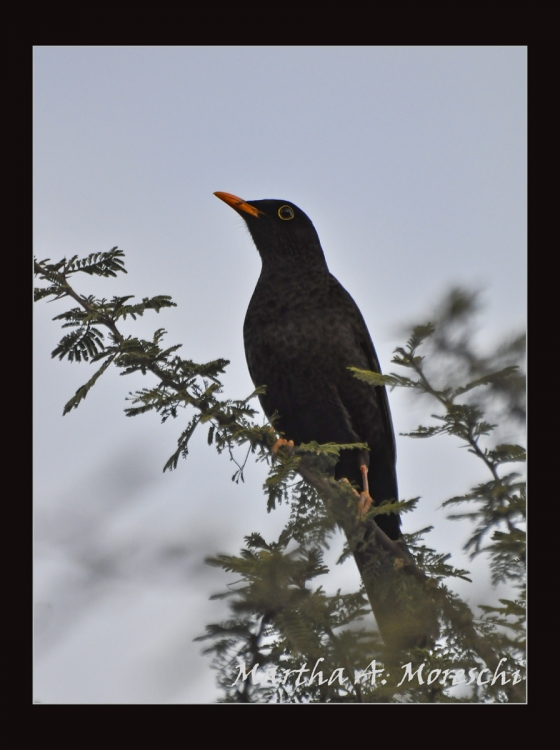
[(302, 332)]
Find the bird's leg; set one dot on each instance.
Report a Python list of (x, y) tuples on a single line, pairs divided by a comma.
[(365, 498)]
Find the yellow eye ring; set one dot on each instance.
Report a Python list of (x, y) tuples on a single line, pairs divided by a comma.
[(286, 213)]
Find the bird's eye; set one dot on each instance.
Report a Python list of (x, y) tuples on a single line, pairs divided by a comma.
[(286, 212)]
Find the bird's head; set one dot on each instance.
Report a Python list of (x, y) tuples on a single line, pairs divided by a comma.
[(282, 232)]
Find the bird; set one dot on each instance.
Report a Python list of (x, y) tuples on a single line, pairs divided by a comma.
[(302, 333)]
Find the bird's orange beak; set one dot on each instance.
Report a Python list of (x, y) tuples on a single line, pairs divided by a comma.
[(238, 203)]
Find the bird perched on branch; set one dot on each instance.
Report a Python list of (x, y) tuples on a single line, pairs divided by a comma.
[(302, 332)]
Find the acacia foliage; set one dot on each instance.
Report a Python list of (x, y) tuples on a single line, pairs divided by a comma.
[(282, 622)]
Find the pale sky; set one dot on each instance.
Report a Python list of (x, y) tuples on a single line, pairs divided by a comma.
[(411, 163)]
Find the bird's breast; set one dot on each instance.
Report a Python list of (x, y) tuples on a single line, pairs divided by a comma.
[(288, 330), (297, 333)]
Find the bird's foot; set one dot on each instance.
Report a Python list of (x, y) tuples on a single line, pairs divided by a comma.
[(365, 502), (279, 443)]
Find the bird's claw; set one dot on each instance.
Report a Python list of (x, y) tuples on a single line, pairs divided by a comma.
[(364, 503), (279, 443)]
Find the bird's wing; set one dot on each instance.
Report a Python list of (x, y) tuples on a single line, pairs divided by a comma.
[(381, 392), (361, 334)]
